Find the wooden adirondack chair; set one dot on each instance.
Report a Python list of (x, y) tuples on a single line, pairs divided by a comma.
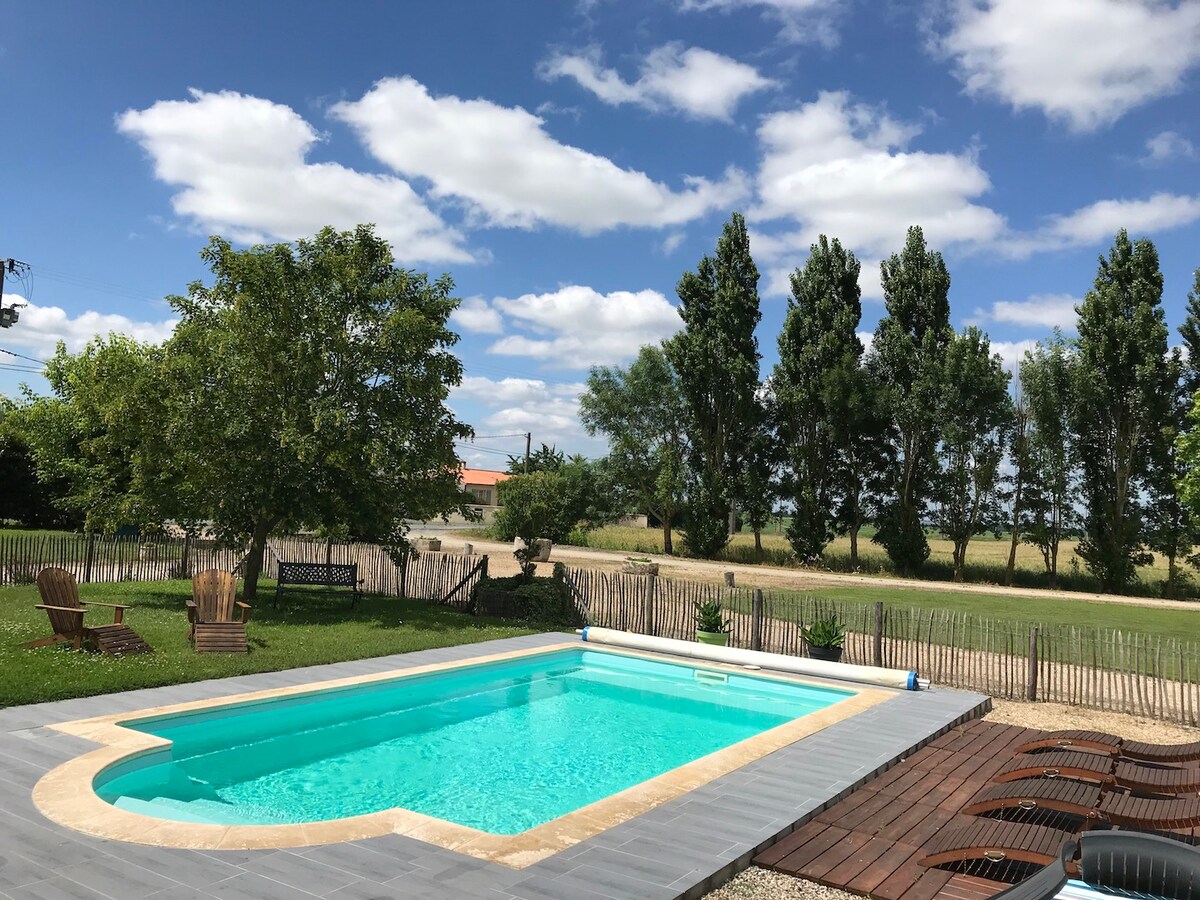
[(60, 600), (211, 613)]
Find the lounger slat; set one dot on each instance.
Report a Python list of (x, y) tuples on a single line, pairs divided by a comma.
[(996, 841)]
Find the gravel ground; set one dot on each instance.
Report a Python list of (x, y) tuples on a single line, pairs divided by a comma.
[(759, 884)]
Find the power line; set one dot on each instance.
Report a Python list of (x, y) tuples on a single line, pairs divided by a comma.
[(495, 437), (30, 358)]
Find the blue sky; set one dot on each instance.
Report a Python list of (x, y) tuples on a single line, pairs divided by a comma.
[(566, 162)]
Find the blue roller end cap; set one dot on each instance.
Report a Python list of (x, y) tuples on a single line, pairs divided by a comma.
[(585, 631), (912, 681)]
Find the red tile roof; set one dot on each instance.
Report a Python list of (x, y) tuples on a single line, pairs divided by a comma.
[(482, 476)]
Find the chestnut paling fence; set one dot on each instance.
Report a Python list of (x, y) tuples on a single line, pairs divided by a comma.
[(1091, 667), (1097, 668), (441, 577)]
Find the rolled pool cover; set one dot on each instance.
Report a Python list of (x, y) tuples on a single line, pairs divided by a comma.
[(796, 665)]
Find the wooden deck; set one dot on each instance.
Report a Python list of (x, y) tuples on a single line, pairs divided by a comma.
[(870, 842)]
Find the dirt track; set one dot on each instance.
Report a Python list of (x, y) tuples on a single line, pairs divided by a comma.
[(501, 562)]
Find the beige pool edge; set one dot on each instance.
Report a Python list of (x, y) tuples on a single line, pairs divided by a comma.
[(65, 794)]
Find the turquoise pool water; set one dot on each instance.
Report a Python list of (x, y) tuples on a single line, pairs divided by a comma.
[(499, 747)]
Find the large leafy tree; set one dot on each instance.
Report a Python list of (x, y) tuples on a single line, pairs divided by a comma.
[(716, 358), (908, 359), (1190, 331), (1017, 481), (976, 417), (1051, 472), (819, 355), (307, 386), (24, 497), (547, 458), (1123, 394), (100, 434), (640, 410)]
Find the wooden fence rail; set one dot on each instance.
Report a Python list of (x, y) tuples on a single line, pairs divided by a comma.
[(1090, 667)]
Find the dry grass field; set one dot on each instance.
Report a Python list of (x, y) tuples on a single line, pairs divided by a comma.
[(986, 558)]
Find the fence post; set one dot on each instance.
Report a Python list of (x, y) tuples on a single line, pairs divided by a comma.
[(878, 647), (648, 605), (88, 557), (404, 573), (756, 620), (728, 579), (183, 561), (1033, 662), (468, 549)]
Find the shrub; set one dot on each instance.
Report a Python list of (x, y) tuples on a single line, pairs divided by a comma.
[(538, 601)]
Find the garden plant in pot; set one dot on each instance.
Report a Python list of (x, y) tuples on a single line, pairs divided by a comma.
[(711, 625), (825, 639)]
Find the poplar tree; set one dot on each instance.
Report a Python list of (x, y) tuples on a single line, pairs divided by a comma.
[(1123, 396), (908, 359), (716, 358), (819, 352), (1051, 473), (977, 414)]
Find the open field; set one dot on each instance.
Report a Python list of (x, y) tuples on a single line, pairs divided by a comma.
[(303, 631), (986, 558)]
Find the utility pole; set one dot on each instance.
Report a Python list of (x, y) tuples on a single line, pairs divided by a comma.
[(9, 316), (528, 440)]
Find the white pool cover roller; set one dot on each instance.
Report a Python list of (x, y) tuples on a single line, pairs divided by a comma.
[(797, 665)]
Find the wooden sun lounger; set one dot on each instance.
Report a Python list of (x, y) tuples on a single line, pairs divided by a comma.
[(1113, 745), (1123, 863), (60, 599), (1084, 766), (992, 840), (1088, 801)]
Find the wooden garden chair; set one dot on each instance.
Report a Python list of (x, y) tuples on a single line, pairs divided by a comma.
[(216, 618), (60, 599)]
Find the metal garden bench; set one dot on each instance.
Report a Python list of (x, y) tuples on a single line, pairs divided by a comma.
[(329, 575)]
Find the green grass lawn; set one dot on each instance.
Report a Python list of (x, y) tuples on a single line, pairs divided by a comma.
[(305, 630), (1180, 621)]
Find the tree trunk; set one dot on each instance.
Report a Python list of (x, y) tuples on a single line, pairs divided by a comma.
[(854, 548), (1172, 576), (960, 555), (666, 526), (254, 560), (758, 553), (1012, 557), (732, 520)]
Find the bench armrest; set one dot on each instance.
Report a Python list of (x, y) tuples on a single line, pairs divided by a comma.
[(191, 603), (245, 608), (69, 609), (241, 604), (98, 603)]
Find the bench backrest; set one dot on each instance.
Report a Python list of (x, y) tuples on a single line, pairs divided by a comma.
[(214, 592), (332, 574)]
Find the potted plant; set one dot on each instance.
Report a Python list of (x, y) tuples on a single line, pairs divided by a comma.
[(541, 549), (430, 545), (711, 625), (639, 565), (825, 639)]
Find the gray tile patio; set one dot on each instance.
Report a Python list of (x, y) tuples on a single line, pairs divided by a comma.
[(680, 849)]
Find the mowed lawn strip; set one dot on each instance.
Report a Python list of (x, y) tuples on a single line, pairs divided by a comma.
[(305, 630)]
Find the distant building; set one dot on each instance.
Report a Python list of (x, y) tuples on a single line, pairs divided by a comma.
[(482, 485)]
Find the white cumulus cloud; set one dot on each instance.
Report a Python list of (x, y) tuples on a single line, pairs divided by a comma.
[(477, 317), (843, 169), (1043, 311), (40, 328), (693, 81), (240, 165), (800, 21), (1166, 146), (577, 327), (501, 162), (1087, 62)]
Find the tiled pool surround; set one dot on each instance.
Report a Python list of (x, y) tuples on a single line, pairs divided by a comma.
[(677, 848)]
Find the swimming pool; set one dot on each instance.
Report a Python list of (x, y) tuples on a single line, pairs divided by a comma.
[(499, 747)]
